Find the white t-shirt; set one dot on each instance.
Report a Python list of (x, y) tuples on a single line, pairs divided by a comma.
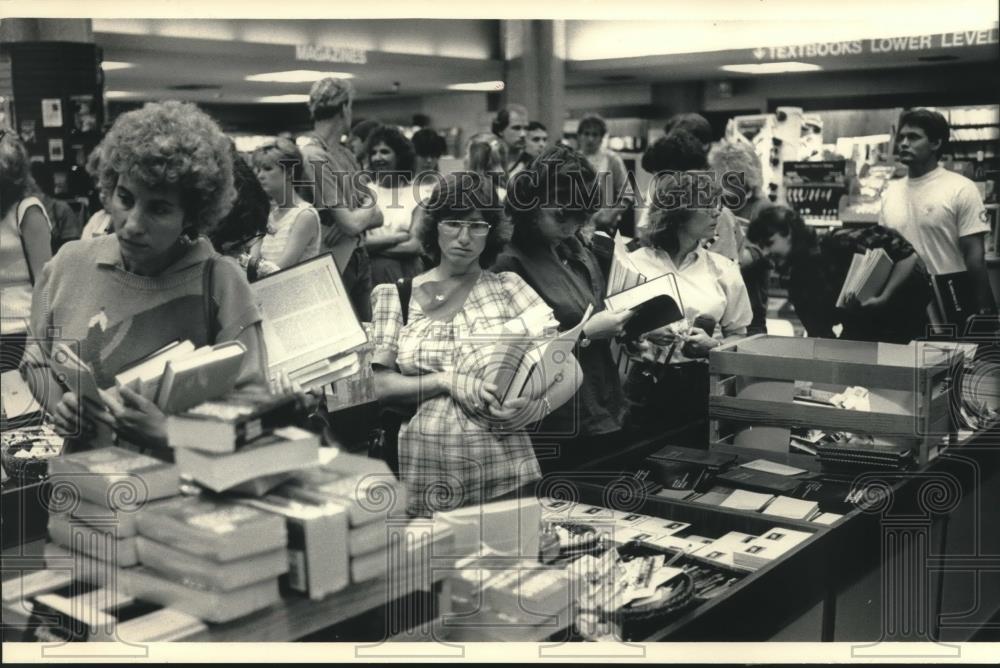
[(396, 205), (709, 284), (933, 212)]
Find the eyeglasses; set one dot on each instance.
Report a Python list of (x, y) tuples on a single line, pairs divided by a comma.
[(476, 228)]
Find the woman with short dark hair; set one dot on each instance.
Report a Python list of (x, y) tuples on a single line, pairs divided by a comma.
[(548, 205)]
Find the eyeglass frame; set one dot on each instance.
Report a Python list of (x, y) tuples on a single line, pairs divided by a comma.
[(465, 225)]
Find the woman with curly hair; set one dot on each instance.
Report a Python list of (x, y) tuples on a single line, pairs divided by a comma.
[(432, 338), (395, 247), (293, 227), (24, 245), (167, 176)]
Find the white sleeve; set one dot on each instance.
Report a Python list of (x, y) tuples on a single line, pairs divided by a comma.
[(970, 211), (738, 314), (27, 203)]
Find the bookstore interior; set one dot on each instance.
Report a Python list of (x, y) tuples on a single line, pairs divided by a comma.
[(284, 407)]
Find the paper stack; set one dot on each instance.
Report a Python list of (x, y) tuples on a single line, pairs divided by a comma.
[(214, 559)]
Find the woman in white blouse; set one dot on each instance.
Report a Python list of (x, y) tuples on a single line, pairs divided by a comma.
[(670, 374), (293, 228)]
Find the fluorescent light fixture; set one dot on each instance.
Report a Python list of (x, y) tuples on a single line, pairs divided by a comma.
[(285, 99), (486, 86), (118, 94), (771, 68), (297, 76), (109, 65)]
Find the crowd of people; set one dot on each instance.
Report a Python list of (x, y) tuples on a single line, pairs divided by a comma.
[(438, 262)]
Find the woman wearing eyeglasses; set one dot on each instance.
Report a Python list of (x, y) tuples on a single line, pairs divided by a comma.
[(293, 229), (547, 203), (432, 341), (668, 385)]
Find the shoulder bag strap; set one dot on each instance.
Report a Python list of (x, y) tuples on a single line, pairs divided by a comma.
[(207, 288)]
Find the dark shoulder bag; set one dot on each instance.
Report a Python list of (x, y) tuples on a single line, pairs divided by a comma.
[(385, 443)]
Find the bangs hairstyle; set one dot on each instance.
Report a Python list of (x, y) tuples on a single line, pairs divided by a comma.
[(673, 205), (783, 220), (280, 151), (592, 122), (15, 170), (400, 145), (172, 144), (737, 157), (428, 143), (560, 178), (456, 196)]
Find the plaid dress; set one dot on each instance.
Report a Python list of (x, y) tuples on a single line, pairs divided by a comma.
[(448, 458)]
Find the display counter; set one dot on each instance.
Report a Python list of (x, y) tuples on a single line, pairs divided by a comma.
[(918, 563)]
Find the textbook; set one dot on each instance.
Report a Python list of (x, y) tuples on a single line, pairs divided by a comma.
[(96, 514), (317, 550), (115, 478), (287, 449), (207, 373), (98, 542), (76, 376), (866, 276), (644, 292), (212, 528), (206, 573), (229, 423), (310, 329), (210, 606), (144, 375)]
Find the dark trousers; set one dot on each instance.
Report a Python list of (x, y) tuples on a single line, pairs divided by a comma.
[(12, 350), (662, 398), (357, 278), (562, 454)]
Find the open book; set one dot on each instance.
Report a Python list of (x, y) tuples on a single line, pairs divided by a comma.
[(866, 276), (523, 366), (310, 328)]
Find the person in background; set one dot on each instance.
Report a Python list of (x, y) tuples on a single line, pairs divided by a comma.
[(246, 222), (293, 228), (511, 126), (166, 173), (938, 211), (816, 271), (428, 147), (487, 155), (667, 385), (346, 207), (696, 124), (740, 158), (429, 356), (359, 137), (25, 246), (538, 139), (99, 222), (395, 246), (66, 225), (610, 168), (547, 205), (681, 151)]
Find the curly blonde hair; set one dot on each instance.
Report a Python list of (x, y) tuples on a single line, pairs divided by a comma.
[(738, 157), (172, 143)]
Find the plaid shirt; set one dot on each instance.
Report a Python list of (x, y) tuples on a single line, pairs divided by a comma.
[(448, 458)]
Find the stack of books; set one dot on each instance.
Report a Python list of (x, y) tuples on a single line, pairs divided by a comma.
[(855, 455), (243, 439), (369, 494), (683, 471), (211, 558), (318, 544), (768, 546), (866, 276), (96, 496)]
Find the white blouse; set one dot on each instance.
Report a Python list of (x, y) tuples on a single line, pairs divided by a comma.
[(279, 225)]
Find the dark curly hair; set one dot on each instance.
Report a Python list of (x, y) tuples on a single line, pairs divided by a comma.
[(173, 143), (400, 145), (783, 220), (696, 124), (455, 197), (248, 217), (428, 143), (561, 178), (678, 151)]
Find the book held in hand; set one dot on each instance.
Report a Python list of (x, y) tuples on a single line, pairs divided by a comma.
[(144, 376), (866, 276), (207, 373)]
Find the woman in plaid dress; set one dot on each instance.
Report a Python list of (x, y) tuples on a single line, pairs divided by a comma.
[(461, 446)]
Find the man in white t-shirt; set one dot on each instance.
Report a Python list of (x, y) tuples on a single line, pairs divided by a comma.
[(940, 213)]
